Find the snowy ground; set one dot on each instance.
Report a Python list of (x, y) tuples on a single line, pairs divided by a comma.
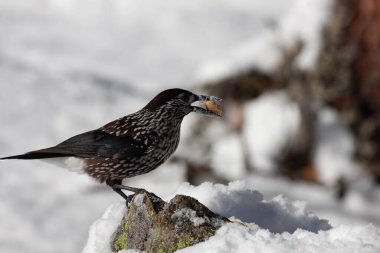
[(276, 225), (67, 66)]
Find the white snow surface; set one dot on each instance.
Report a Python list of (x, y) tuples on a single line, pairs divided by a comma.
[(271, 123), (276, 225), (227, 156), (298, 20), (342, 239), (239, 201), (189, 214), (335, 148), (101, 231)]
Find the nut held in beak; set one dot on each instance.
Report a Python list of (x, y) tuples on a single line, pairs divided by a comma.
[(214, 107), (208, 105)]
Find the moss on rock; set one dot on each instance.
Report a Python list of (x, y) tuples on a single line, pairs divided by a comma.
[(153, 225)]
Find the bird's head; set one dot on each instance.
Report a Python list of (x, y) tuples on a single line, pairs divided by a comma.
[(182, 102)]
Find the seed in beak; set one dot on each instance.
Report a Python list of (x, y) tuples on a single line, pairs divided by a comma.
[(214, 107)]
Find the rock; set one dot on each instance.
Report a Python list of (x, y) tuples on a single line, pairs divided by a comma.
[(153, 225)]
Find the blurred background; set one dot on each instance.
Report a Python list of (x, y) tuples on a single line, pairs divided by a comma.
[(300, 81)]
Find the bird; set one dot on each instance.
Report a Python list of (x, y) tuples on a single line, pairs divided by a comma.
[(132, 145)]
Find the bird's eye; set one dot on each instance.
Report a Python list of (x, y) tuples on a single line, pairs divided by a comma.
[(185, 97)]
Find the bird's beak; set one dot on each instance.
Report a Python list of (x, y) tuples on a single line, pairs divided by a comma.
[(208, 105)]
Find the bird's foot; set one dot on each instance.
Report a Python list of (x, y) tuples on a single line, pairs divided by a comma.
[(129, 199), (131, 196), (118, 187)]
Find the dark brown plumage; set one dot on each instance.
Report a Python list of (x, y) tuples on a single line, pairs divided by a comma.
[(130, 146)]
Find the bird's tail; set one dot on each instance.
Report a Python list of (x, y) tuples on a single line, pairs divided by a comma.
[(38, 154)]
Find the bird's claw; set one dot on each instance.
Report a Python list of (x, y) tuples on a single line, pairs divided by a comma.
[(131, 196), (129, 199)]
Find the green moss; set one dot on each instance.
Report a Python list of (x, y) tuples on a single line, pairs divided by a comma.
[(158, 234), (180, 245), (122, 239), (184, 244)]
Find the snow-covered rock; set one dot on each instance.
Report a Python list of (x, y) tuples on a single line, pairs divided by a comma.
[(153, 225), (277, 225), (241, 202)]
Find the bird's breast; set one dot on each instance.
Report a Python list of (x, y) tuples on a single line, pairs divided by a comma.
[(165, 144)]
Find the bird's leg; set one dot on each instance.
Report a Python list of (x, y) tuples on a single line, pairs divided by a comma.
[(128, 188), (121, 193), (117, 186)]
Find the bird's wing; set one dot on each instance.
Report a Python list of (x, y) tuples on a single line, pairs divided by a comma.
[(94, 143), (100, 143)]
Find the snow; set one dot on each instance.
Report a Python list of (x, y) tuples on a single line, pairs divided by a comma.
[(101, 231), (236, 238), (189, 214), (271, 122), (271, 125), (241, 202), (265, 49), (138, 200), (227, 156), (335, 148), (275, 225)]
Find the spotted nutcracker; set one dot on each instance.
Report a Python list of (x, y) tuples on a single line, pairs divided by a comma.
[(132, 145)]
